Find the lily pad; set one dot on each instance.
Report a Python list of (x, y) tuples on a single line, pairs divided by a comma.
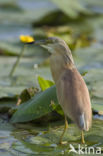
[(35, 108), (27, 69), (71, 8), (46, 141)]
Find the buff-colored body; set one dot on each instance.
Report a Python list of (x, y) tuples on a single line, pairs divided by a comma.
[(72, 91), (73, 96)]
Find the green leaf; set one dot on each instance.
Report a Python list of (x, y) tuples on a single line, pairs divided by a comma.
[(25, 15), (35, 108), (44, 84), (10, 87), (84, 73), (58, 109), (70, 7)]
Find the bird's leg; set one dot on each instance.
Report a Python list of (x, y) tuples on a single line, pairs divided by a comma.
[(82, 137), (65, 127)]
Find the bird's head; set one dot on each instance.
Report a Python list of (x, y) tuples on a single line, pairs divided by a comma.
[(53, 44), (56, 45)]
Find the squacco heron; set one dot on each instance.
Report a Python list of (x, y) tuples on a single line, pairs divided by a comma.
[(72, 92)]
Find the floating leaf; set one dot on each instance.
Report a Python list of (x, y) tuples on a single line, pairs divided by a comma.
[(35, 108), (70, 7), (23, 77)]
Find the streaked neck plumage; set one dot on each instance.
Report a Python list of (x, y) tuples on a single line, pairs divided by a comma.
[(60, 60)]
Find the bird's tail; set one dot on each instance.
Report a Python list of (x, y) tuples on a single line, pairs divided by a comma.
[(84, 122)]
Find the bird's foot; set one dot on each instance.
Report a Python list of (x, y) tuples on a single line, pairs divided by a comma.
[(65, 127), (83, 142), (82, 137)]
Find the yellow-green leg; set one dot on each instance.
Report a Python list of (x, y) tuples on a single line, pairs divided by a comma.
[(65, 127), (82, 137)]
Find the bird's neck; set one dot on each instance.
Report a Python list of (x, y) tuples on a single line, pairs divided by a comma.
[(58, 64)]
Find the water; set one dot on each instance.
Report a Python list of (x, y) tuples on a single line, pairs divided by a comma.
[(13, 24), (31, 139)]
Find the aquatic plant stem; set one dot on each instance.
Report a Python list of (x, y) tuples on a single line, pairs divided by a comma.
[(17, 61)]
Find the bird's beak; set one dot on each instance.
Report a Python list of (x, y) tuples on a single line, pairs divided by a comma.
[(43, 42), (40, 42)]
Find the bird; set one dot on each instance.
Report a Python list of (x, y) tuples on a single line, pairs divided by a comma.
[(72, 92)]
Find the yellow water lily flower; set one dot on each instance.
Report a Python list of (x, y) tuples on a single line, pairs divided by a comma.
[(26, 39)]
